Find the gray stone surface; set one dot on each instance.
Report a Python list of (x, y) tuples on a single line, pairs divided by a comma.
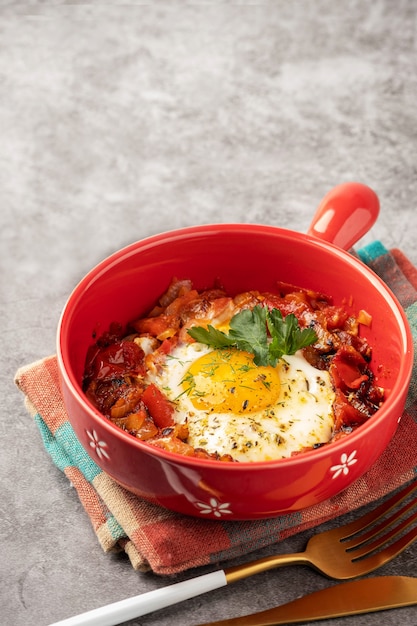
[(117, 122)]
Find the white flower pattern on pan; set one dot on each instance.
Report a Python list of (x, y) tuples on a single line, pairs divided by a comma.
[(346, 461), (215, 507), (98, 445)]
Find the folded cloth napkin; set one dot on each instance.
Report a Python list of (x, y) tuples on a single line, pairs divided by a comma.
[(166, 542)]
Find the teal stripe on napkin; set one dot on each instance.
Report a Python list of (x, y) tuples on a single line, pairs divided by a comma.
[(66, 450), (372, 251)]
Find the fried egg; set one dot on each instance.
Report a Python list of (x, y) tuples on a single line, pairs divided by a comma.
[(254, 413)]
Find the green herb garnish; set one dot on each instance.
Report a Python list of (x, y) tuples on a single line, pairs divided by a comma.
[(249, 332)]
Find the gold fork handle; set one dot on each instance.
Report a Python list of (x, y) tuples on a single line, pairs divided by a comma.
[(262, 565)]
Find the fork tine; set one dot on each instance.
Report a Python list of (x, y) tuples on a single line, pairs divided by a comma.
[(373, 516), (381, 541), (375, 561), (358, 539)]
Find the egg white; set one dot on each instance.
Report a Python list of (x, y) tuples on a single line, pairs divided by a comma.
[(301, 417)]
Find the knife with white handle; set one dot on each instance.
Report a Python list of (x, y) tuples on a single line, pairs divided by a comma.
[(352, 598)]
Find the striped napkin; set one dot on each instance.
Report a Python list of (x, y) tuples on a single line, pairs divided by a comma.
[(166, 542)]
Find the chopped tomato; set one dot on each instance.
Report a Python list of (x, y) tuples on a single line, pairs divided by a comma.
[(168, 345), (364, 318), (158, 406), (177, 306), (147, 430), (138, 424), (135, 421), (173, 444), (176, 288), (345, 414), (313, 296), (335, 316), (347, 368), (157, 326), (123, 406), (115, 361)]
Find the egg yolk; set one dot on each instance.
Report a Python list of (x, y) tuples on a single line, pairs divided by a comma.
[(228, 380)]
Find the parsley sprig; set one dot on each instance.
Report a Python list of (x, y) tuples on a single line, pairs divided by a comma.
[(249, 332)]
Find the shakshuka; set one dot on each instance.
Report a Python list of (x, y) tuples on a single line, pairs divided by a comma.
[(203, 373)]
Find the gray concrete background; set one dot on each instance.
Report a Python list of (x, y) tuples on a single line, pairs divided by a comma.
[(117, 122)]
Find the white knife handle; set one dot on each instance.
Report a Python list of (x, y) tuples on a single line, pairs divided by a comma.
[(130, 608)]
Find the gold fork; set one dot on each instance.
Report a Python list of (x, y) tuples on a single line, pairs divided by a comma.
[(346, 552)]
